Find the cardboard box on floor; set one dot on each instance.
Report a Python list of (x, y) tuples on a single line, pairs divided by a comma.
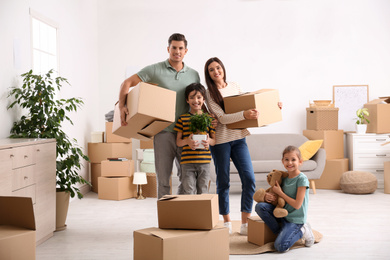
[(96, 172), (17, 228), (98, 152), (333, 141), (148, 115), (330, 178), (258, 232), (113, 138), (149, 190), (379, 110), (117, 168), (164, 244), (188, 211), (264, 100), (116, 188)]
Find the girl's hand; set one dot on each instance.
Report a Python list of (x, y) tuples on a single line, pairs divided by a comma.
[(251, 114), (269, 197), (277, 189)]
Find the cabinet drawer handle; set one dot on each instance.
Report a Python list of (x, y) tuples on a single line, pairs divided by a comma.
[(11, 156), (380, 170), (38, 150), (25, 177), (25, 157), (381, 155), (381, 140)]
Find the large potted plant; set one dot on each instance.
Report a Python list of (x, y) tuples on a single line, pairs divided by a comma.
[(199, 123), (44, 119), (362, 121)]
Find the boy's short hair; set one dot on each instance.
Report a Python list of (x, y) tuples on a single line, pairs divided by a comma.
[(177, 37), (197, 87)]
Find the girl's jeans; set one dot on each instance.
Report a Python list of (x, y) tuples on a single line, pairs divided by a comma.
[(287, 233), (238, 151)]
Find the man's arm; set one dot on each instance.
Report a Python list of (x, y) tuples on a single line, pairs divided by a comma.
[(126, 85)]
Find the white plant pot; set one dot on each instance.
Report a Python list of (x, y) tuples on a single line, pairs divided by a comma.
[(199, 138), (361, 128)]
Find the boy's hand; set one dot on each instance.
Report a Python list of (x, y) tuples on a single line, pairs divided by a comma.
[(192, 143), (206, 143)]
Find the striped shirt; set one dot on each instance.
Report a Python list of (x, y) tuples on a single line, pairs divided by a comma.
[(223, 134), (188, 155)]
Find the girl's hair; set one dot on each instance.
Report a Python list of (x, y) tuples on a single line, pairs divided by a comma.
[(212, 87), (292, 149)]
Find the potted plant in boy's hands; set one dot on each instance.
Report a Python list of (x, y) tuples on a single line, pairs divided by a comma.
[(199, 124), (362, 114)]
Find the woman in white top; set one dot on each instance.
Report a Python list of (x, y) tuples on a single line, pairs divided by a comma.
[(230, 143)]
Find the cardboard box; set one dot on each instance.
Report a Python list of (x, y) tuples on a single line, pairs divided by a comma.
[(98, 152), (113, 138), (96, 172), (146, 144), (145, 119), (322, 118), (333, 141), (159, 244), (386, 177), (97, 137), (379, 110), (258, 232), (330, 178), (116, 188), (149, 190), (17, 228), (117, 168), (188, 211), (264, 100)]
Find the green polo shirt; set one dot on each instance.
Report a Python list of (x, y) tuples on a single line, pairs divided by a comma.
[(165, 76)]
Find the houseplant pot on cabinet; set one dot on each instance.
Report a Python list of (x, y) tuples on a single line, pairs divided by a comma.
[(199, 124), (361, 127), (45, 115)]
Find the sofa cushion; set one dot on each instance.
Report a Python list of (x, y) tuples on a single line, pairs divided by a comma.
[(309, 148), (267, 166)]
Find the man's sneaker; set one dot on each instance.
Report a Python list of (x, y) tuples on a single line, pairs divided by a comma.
[(244, 229), (229, 226), (307, 234)]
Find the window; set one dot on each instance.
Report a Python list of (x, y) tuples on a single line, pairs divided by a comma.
[(44, 44)]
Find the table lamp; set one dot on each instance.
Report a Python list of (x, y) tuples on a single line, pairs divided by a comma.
[(140, 179)]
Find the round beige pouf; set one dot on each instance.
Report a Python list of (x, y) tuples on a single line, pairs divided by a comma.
[(358, 182)]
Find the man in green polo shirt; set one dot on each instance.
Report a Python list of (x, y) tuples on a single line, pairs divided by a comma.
[(171, 74)]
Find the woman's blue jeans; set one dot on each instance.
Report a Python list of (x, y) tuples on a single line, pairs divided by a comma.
[(238, 151), (288, 233)]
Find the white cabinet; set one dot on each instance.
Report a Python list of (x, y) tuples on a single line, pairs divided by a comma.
[(28, 169), (366, 153)]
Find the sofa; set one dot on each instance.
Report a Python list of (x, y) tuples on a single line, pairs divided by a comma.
[(266, 155)]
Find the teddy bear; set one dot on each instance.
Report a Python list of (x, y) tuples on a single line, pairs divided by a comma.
[(259, 195)]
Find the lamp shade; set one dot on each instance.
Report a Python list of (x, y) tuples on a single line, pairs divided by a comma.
[(140, 178)]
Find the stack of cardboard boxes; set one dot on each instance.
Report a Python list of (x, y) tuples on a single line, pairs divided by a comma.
[(322, 124), (187, 230)]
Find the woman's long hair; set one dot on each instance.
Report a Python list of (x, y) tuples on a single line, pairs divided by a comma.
[(212, 87)]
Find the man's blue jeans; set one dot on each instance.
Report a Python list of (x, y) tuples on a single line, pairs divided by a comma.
[(288, 233), (238, 151)]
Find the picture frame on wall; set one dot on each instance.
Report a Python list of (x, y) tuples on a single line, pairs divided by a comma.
[(349, 98)]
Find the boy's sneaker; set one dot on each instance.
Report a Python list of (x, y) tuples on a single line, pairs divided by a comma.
[(229, 226), (308, 235), (244, 229)]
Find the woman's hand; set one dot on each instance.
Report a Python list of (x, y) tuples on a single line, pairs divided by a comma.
[(214, 123), (280, 105), (251, 114), (269, 197)]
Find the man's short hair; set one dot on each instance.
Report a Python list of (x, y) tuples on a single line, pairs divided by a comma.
[(177, 37)]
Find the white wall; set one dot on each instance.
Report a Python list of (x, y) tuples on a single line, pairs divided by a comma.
[(301, 47), (78, 54)]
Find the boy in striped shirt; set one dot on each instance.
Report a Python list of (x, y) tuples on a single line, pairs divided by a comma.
[(195, 163)]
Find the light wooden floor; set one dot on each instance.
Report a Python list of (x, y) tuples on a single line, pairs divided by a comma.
[(353, 226)]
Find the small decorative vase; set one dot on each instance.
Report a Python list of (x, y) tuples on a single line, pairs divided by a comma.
[(199, 138), (361, 128)]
